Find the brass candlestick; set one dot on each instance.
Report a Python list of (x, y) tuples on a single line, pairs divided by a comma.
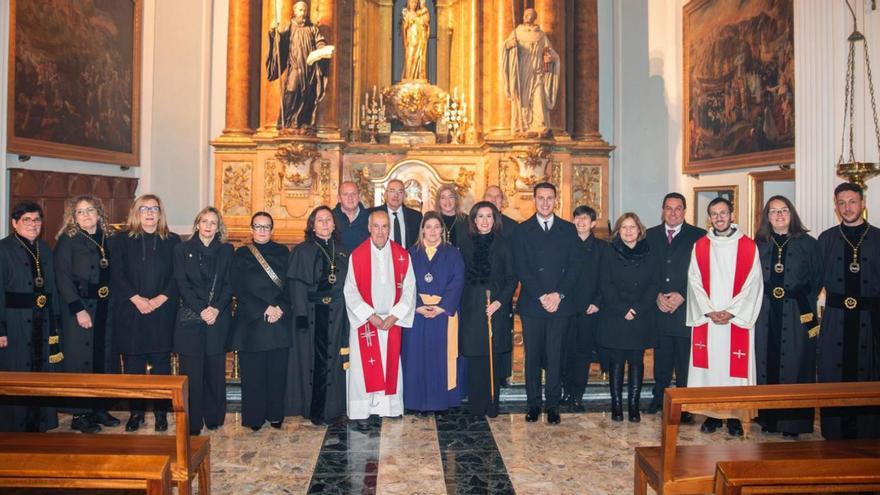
[(373, 113)]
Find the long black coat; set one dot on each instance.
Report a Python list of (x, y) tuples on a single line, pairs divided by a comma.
[(508, 227), (588, 289), (17, 324), (672, 262), (546, 262), (77, 270), (473, 324), (255, 292), (863, 358), (144, 266), (200, 338), (628, 283), (306, 275)]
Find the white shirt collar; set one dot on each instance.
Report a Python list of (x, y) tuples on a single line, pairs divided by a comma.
[(675, 230), (541, 220)]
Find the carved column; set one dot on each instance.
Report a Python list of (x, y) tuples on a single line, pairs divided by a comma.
[(498, 22), (328, 24), (585, 120), (238, 63), (551, 18)]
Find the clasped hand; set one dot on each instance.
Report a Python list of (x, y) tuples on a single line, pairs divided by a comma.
[(669, 302), (720, 317), (273, 314), (383, 324), (550, 301), (430, 311), (144, 305), (209, 315)]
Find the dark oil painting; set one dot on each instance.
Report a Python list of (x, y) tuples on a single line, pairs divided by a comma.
[(76, 70), (739, 83)]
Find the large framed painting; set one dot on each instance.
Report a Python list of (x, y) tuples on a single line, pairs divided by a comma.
[(738, 84), (74, 79)]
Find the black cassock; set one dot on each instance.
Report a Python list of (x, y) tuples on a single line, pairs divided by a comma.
[(319, 348), (785, 346), (849, 340), (26, 326), (488, 265), (264, 346)]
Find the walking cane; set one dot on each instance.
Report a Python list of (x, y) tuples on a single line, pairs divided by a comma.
[(491, 358)]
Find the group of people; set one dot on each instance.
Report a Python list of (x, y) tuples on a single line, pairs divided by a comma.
[(385, 310)]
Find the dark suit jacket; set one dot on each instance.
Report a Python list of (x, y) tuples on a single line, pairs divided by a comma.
[(412, 220), (508, 226), (672, 262), (546, 262)]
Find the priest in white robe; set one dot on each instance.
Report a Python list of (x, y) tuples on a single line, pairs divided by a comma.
[(725, 291), (380, 296)]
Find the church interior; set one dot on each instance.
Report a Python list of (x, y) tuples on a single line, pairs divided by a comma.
[(740, 99)]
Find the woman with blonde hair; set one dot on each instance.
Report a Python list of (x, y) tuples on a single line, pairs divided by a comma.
[(629, 290), (447, 203), (82, 274), (204, 320), (145, 297)]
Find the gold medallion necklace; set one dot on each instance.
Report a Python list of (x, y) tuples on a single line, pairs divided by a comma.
[(104, 262), (38, 280), (854, 267), (331, 257), (779, 267)]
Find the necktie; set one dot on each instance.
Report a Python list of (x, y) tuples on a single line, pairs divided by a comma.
[(546, 226), (670, 233), (397, 234)]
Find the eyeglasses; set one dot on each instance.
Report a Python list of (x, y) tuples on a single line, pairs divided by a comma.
[(149, 209), (261, 227), (85, 211), (784, 212), (719, 214), (31, 221)]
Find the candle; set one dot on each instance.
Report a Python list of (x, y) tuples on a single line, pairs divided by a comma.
[(381, 101)]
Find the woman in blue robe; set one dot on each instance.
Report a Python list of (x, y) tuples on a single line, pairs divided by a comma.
[(430, 347)]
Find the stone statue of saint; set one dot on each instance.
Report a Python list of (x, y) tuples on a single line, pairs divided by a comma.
[(531, 77), (299, 55), (415, 28)]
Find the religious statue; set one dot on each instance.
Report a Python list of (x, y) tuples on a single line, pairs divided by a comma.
[(415, 28), (531, 77), (298, 55)]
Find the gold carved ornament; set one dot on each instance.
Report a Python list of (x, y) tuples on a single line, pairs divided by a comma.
[(463, 181), (294, 156), (586, 187), (236, 188)]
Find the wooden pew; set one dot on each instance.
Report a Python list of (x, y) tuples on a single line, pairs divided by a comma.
[(125, 472), (797, 476), (189, 455), (674, 469)]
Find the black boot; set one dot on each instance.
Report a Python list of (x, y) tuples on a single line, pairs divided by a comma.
[(104, 418), (634, 390), (135, 421), (615, 382), (161, 421), (83, 423)]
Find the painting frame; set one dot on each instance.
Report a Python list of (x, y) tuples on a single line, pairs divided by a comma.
[(700, 202), (733, 161), (30, 146)]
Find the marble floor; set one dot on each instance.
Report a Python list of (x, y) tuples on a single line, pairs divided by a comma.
[(451, 454)]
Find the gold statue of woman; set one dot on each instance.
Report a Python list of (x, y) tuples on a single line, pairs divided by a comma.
[(415, 27)]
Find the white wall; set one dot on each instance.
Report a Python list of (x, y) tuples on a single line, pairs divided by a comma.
[(175, 110)]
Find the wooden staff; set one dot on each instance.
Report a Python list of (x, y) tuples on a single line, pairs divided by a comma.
[(491, 358)]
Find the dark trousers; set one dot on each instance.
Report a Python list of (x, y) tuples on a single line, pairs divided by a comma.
[(671, 353), (577, 353), (263, 381), (207, 389), (543, 338), (479, 385), (136, 364)]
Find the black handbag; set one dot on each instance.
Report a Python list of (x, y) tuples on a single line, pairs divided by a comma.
[(185, 315)]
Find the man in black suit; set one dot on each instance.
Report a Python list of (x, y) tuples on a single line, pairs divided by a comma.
[(495, 195), (547, 263), (404, 222), (673, 240)]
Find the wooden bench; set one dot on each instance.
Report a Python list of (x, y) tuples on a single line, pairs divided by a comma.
[(128, 472), (674, 469), (188, 455), (797, 476)]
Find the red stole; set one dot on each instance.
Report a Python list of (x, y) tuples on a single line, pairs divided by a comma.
[(371, 355), (739, 337)]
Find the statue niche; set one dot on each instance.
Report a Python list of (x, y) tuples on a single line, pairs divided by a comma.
[(414, 54)]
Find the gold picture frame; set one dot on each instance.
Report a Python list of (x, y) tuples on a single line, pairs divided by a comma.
[(704, 194)]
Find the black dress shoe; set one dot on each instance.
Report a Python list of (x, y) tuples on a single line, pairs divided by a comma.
[(553, 416), (256, 428), (492, 411), (315, 421), (734, 427), (654, 408), (790, 435), (104, 418), (276, 424), (134, 422), (83, 423), (566, 400), (533, 415), (710, 425), (363, 424), (161, 422), (577, 405), (686, 418)]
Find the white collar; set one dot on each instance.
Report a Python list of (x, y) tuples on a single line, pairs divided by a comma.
[(675, 230)]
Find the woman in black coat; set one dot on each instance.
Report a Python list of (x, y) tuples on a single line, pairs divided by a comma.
[(262, 324), (488, 266), (787, 328), (629, 288), (82, 273), (146, 297), (201, 268)]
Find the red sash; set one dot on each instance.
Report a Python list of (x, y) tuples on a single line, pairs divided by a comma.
[(371, 355), (739, 337)]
